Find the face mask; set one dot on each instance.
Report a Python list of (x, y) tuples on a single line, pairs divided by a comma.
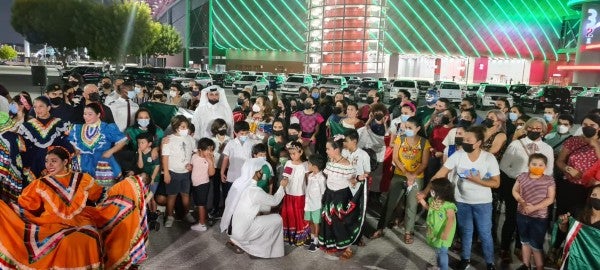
[(56, 101), (588, 131), (409, 133), (293, 138), (195, 93), (106, 85), (73, 83), (243, 139), (270, 97), (137, 90), (464, 123), (173, 93), (256, 108), (158, 96), (337, 110), (278, 132), (303, 96), (213, 102), (548, 117), (94, 97), (183, 132), (445, 120), (378, 117), (563, 129), (458, 141), (488, 123), (536, 171), (130, 94), (143, 122), (533, 135), (595, 203), (468, 147), (315, 95), (512, 116), (432, 193), (308, 105), (222, 132), (240, 101), (404, 117), (370, 100), (519, 127), (13, 108), (283, 160), (347, 96)]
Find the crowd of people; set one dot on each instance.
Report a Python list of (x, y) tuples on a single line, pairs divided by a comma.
[(88, 165)]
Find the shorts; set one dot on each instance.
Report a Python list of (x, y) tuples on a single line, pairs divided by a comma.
[(161, 190), (180, 183), (154, 187), (532, 231), (200, 194), (314, 216)]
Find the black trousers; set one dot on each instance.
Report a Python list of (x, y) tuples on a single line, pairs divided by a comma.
[(217, 185), (509, 228)]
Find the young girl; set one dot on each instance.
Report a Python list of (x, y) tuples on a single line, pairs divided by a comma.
[(295, 228), (534, 191), (220, 138), (203, 167), (441, 219)]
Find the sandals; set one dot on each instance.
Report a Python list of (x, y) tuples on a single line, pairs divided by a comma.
[(234, 248), (377, 234), (347, 254), (408, 238)]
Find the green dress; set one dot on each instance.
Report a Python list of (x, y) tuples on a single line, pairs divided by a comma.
[(436, 222)]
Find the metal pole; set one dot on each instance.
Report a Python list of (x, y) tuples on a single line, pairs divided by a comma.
[(210, 34), (187, 34)]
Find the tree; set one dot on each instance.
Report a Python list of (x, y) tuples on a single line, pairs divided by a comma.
[(7, 53), (167, 42)]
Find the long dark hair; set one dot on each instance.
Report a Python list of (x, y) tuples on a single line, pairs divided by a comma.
[(444, 189), (415, 121), (151, 126), (586, 214)]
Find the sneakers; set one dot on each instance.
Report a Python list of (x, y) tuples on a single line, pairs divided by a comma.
[(199, 227), (464, 265), (312, 247), (491, 266), (169, 222)]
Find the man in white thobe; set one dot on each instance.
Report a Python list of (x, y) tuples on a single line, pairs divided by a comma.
[(213, 104)]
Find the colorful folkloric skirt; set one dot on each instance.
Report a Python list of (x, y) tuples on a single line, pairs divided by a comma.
[(295, 228), (343, 215)]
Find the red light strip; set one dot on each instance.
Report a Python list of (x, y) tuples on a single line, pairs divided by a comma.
[(580, 67), (594, 46)]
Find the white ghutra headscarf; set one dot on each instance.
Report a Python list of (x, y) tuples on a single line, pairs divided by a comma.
[(206, 113)]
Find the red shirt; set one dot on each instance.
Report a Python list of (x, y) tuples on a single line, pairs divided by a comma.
[(438, 135)]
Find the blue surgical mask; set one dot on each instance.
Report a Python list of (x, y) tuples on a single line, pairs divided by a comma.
[(315, 95), (13, 108), (512, 116), (243, 139), (404, 117), (548, 117), (130, 94), (409, 133), (137, 90), (143, 122)]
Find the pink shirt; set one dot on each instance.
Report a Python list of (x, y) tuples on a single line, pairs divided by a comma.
[(199, 170)]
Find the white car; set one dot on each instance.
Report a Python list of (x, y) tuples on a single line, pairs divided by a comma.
[(409, 85), (258, 83), (204, 79), (292, 85), (451, 91), (489, 93), (333, 84)]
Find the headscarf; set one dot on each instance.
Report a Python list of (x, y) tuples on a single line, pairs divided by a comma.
[(206, 113), (250, 167)]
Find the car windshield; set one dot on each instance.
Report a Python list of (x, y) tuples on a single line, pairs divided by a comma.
[(409, 84), (218, 76), (190, 75), (130, 70), (271, 77), (496, 89), (296, 79), (449, 86), (354, 82), (557, 92), (369, 84), (331, 81), (518, 89), (472, 87), (248, 78), (203, 75), (423, 83)]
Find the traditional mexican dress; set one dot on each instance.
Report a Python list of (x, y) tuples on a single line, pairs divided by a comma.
[(335, 126), (343, 214), (92, 140), (581, 250), (39, 134), (52, 228), (295, 228), (12, 177)]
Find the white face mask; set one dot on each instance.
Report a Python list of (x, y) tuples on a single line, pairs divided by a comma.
[(173, 93), (432, 193), (183, 132), (562, 129), (143, 122), (256, 108), (270, 97)]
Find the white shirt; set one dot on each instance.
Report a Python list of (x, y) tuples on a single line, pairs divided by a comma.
[(111, 97), (180, 150), (295, 175), (205, 115), (238, 153), (516, 159), (359, 159), (394, 125), (119, 110), (465, 190), (314, 191), (449, 140), (218, 154)]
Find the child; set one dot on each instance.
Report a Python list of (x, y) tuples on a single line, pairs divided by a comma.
[(235, 153), (315, 188), (534, 192), (220, 138), (266, 183), (441, 219), (295, 228), (203, 167), (176, 158), (150, 166), (277, 141)]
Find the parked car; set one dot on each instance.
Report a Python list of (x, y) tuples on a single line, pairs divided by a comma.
[(134, 74), (185, 78), (451, 91), (333, 84), (353, 84), (360, 94), (204, 79), (409, 85), (292, 85), (258, 83), (470, 91), (517, 91), (219, 78), (489, 93), (90, 74), (164, 75), (589, 92), (544, 95), (575, 90), (275, 81)]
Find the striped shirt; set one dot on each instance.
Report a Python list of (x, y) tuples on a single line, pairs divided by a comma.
[(339, 176), (534, 191)]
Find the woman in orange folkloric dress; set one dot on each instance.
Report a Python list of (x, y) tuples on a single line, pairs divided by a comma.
[(52, 228)]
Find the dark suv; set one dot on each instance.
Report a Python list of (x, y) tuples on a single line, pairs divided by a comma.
[(517, 91), (539, 97), (90, 74)]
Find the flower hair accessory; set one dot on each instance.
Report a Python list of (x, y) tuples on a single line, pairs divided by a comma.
[(52, 147), (294, 146), (339, 137)]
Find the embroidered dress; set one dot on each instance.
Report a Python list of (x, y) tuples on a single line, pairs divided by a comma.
[(92, 141), (295, 228), (342, 213), (39, 134), (52, 228), (12, 177)]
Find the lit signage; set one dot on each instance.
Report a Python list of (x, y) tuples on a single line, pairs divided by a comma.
[(591, 24)]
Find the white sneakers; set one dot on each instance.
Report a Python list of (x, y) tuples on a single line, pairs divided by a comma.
[(169, 222), (199, 227)]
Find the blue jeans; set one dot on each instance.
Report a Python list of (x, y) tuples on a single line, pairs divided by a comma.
[(442, 257), (481, 216)]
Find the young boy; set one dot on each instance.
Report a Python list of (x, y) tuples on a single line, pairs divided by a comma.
[(176, 158), (151, 167), (315, 188), (534, 191), (266, 183), (203, 167), (236, 152)]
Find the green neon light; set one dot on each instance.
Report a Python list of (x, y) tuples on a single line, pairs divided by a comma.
[(452, 39), (472, 27), (217, 33), (236, 26), (411, 27), (263, 27), (394, 42), (564, 5), (285, 20), (550, 22), (249, 26), (492, 34), (216, 41), (443, 9), (412, 46), (293, 14), (427, 27), (514, 26), (529, 29), (301, 5), (229, 31), (284, 35), (503, 30), (552, 7), (551, 42)]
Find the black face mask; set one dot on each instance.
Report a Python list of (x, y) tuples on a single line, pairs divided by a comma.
[(468, 147), (106, 85), (278, 132), (533, 135), (488, 123), (445, 120), (222, 132), (595, 203), (56, 101), (589, 132), (464, 123), (322, 95), (159, 96), (240, 101), (308, 105), (293, 138), (73, 83), (213, 102), (195, 93), (94, 97), (378, 117), (303, 96), (337, 110), (458, 141), (370, 100)]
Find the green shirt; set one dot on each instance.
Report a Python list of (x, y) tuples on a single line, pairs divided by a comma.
[(277, 147), (265, 181), (436, 222), (132, 134), (149, 165)]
